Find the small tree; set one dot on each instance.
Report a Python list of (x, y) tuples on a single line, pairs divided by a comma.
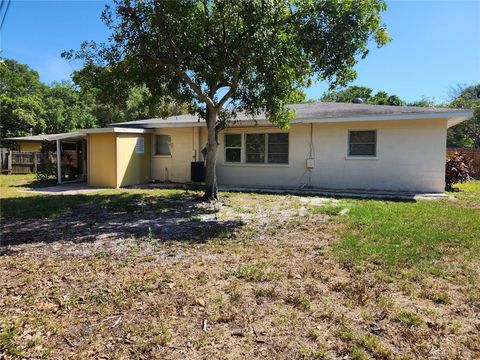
[(224, 56), (457, 169)]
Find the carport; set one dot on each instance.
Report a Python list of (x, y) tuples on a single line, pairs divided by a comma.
[(71, 153), (66, 151)]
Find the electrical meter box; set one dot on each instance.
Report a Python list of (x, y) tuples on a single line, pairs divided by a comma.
[(310, 163)]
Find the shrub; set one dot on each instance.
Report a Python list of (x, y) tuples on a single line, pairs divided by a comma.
[(457, 168), (46, 170)]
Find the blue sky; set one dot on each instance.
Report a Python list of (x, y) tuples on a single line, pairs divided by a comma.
[(436, 44)]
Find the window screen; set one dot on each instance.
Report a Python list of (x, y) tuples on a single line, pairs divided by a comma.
[(162, 145), (255, 148), (233, 147), (140, 146), (278, 148), (362, 143)]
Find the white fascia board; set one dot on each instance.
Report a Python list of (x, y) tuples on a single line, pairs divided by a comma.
[(115, 130), (454, 117), (66, 136), (443, 115), (175, 125), (457, 120)]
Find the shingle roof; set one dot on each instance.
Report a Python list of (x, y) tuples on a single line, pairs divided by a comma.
[(318, 111)]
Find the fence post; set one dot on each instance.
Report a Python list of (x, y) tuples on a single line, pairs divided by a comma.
[(9, 167), (59, 161), (35, 163)]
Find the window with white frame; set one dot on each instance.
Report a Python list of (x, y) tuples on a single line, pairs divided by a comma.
[(233, 148), (255, 148), (277, 148), (266, 148), (162, 145), (362, 143)]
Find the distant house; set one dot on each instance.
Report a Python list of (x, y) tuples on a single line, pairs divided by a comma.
[(328, 146)]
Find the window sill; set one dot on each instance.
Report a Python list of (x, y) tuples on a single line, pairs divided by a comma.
[(360, 158), (162, 156), (256, 165)]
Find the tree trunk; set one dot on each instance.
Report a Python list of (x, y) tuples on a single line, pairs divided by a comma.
[(211, 189)]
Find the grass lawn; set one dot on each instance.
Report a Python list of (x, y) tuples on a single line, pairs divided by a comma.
[(150, 273)]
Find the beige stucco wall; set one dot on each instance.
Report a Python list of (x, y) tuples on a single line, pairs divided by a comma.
[(101, 160), (132, 168), (410, 156), (30, 145), (184, 150)]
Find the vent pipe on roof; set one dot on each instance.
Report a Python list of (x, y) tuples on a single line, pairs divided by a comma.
[(357, 100)]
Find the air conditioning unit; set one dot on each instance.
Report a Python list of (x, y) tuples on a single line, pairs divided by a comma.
[(310, 163)]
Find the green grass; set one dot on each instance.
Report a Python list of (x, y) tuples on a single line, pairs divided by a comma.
[(258, 272), (402, 235), (410, 318), (7, 343), (396, 235), (15, 202)]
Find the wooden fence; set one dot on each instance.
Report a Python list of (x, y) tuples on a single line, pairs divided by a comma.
[(475, 154), (26, 162)]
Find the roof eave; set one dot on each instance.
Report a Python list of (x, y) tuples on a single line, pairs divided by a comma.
[(461, 115), (115, 130), (453, 117)]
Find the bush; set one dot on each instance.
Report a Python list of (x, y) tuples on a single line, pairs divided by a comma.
[(46, 168), (457, 169), (46, 171)]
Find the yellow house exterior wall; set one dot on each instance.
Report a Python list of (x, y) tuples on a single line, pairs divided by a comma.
[(132, 168), (101, 160), (30, 145), (184, 149)]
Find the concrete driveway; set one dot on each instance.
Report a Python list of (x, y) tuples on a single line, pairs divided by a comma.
[(65, 189)]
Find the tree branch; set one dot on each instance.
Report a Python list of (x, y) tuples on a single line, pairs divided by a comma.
[(233, 87), (183, 76), (187, 80)]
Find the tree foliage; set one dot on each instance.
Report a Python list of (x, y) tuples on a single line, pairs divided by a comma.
[(227, 56), (348, 94), (30, 107), (467, 133), (118, 100), (21, 95)]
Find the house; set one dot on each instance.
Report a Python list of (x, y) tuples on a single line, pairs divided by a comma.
[(328, 146)]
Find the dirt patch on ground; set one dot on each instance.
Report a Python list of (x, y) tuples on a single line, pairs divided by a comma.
[(250, 277)]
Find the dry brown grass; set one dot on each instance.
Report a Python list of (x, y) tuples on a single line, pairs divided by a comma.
[(270, 287)]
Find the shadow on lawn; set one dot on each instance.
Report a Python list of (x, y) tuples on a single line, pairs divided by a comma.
[(88, 218), (34, 184)]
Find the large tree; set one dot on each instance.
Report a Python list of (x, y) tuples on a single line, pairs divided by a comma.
[(66, 109), (224, 56), (117, 99), (21, 100), (28, 106)]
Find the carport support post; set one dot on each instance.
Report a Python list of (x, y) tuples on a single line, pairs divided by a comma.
[(59, 162)]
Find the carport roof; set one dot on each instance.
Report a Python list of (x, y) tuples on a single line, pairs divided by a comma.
[(48, 137), (313, 112)]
